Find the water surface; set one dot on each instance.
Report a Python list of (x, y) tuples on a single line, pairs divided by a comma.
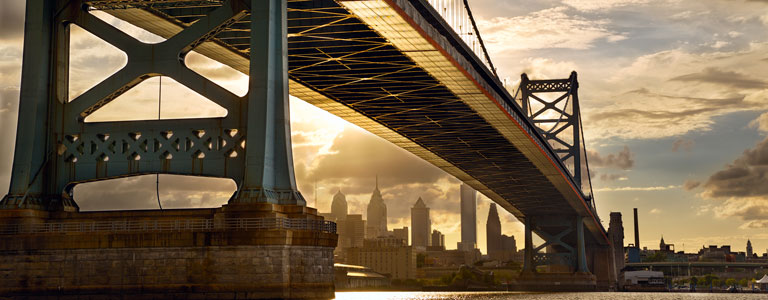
[(536, 296)]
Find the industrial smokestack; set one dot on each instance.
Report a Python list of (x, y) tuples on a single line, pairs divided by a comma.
[(637, 232)]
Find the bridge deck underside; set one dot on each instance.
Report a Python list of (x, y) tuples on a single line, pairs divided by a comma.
[(350, 63), (340, 57)]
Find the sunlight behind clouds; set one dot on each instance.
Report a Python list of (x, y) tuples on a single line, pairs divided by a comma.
[(592, 5), (549, 28)]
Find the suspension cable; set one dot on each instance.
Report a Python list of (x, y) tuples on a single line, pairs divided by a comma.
[(159, 105), (479, 38), (586, 162)]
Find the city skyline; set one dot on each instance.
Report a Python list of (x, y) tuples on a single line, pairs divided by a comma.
[(712, 95)]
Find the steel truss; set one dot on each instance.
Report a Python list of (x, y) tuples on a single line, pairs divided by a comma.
[(559, 122), (565, 248)]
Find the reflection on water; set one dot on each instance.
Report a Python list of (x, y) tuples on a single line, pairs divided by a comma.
[(534, 296)]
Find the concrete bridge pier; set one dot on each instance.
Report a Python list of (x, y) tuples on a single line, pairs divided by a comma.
[(568, 263), (264, 244)]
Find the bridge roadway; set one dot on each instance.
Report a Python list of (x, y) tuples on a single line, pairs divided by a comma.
[(396, 69)]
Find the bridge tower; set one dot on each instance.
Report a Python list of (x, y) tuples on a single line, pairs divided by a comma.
[(56, 148), (552, 105), (266, 226)]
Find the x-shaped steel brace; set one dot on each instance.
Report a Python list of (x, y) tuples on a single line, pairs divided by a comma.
[(165, 58), (554, 240)]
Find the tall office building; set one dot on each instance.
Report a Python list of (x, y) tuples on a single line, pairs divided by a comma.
[(749, 248), (493, 233), (401, 233), (377, 215), (421, 225), (386, 255), (468, 218), (355, 226), (438, 241), (339, 206)]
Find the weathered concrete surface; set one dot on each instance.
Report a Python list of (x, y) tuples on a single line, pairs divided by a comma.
[(602, 264), (191, 264)]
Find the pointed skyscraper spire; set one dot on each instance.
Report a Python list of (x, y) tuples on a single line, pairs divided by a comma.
[(377, 214)]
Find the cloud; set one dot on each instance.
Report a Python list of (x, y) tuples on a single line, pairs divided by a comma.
[(545, 68), (612, 177), (638, 189), (139, 193), (691, 184), (683, 144), (745, 177), (356, 157), (594, 5), (755, 224), (637, 103), (545, 29), (655, 211), (9, 109), (760, 123), (739, 188), (622, 160), (727, 78), (11, 19)]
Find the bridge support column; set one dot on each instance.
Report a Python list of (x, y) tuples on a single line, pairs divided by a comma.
[(528, 264), (581, 265), (269, 175), (565, 258)]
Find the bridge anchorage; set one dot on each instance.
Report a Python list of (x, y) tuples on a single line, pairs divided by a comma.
[(422, 86)]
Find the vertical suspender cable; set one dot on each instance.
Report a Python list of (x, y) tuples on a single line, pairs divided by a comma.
[(479, 38), (159, 103)]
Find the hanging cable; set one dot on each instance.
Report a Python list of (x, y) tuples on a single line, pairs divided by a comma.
[(159, 103), (586, 163), (479, 38)]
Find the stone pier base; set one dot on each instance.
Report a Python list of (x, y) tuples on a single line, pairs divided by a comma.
[(184, 254)]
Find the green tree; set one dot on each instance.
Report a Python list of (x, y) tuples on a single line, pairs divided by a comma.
[(730, 282), (708, 279), (656, 257), (717, 282), (743, 282)]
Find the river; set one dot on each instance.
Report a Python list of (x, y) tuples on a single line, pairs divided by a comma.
[(536, 296)]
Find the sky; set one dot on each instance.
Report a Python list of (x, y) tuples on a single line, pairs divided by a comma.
[(674, 100)]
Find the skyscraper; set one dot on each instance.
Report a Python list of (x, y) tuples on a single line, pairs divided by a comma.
[(493, 232), (421, 225), (438, 240), (377, 214), (468, 218), (401, 233), (749, 249), (339, 206)]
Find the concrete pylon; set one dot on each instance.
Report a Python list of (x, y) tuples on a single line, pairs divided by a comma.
[(57, 149)]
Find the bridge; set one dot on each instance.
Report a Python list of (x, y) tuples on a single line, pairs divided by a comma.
[(411, 71)]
